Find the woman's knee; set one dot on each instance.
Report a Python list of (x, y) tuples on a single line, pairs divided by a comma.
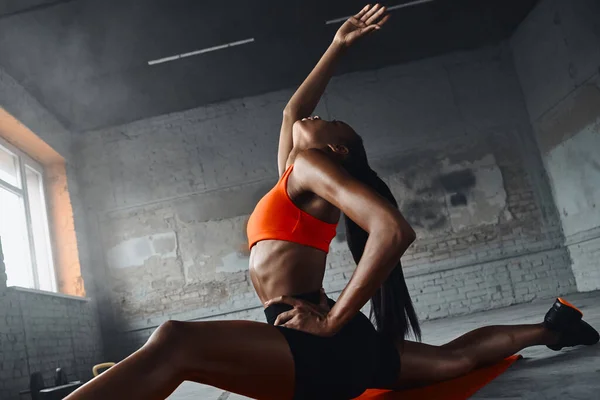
[(167, 334), (168, 342)]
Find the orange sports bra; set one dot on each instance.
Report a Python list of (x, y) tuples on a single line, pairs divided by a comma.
[(276, 217)]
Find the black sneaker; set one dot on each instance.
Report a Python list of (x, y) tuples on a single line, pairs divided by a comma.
[(565, 318)]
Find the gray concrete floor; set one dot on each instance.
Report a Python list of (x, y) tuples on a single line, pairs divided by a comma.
[(542, 374)]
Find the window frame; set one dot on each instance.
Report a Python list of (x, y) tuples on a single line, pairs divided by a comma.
[(24, 161)]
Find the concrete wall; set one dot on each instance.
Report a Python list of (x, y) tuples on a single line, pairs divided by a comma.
[(167, 198), (557, 57), (41, 331), (24, 107)]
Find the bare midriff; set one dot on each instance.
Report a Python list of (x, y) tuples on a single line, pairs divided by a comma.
[(280, 268)]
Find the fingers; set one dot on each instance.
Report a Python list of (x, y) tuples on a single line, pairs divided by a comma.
[(369, 29), (285, 317), (363, 11), (293, 323), (370, 12), (311, 118), (284, 300), (324, 301), (383, 20), (299, 305), (375, 16)]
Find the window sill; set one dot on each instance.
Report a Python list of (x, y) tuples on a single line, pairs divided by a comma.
[(45, 293)]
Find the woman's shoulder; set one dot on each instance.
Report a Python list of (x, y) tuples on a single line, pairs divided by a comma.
[(315, 160), (314, 169)]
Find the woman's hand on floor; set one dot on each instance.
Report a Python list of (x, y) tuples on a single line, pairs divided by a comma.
[(305, 316), (369, 19)]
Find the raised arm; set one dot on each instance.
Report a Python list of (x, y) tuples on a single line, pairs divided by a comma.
[(306, 98)]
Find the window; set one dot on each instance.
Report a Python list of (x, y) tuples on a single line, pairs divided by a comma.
[(24, 230)]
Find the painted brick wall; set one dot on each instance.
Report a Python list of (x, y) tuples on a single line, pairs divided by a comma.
[(557, 57), (40, 332), (585, 256), (167, 198)]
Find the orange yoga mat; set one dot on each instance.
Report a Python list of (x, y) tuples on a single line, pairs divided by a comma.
[(456, 389)]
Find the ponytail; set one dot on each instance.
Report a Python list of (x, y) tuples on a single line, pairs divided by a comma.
[(392, 310)]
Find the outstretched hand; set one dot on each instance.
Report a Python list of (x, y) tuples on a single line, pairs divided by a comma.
[(369, 19), (305, 316)]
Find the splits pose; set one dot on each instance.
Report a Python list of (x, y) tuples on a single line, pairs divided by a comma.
[(312, 347)]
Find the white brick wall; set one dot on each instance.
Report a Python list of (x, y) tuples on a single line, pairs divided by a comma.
[(492, 285), (41, 332), (586, 264)]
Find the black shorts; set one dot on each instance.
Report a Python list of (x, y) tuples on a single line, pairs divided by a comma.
[(342, 366)]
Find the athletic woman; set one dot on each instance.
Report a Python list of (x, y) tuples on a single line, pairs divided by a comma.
[(311, 347)]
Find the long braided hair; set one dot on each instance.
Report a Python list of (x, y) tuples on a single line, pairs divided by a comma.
[(392, 309)]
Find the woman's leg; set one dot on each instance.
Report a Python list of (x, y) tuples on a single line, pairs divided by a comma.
[(248, 358), (423, 364)]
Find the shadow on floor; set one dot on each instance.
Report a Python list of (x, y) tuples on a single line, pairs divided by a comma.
[(579, 354)]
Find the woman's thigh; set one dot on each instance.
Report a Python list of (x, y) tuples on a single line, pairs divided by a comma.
[(248, 358), (423, 364)]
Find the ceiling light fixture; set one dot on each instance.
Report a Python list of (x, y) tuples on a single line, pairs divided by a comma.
[(201, 51), (391, 8)]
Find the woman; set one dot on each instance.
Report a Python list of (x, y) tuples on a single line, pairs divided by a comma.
[(313, 348)]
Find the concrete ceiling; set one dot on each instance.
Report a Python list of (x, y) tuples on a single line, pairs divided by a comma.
[(87, 61)]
